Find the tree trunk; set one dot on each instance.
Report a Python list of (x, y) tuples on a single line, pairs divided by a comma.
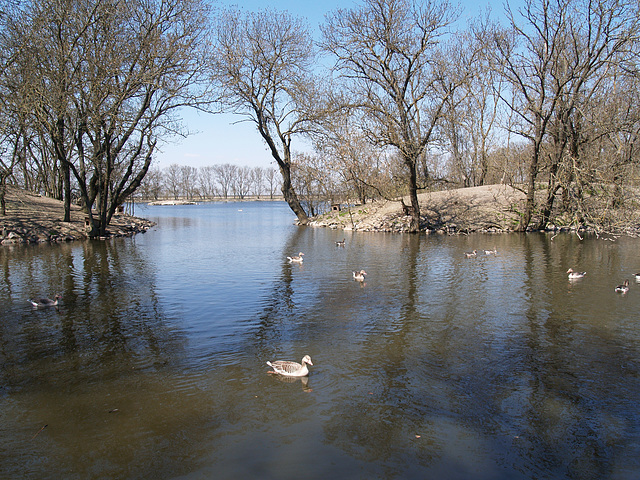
[(290, 195), (531, 193), (288, 191), (414, 226), (545, 214), (3, 201), (66, 177), (530, 205), (61, 154)]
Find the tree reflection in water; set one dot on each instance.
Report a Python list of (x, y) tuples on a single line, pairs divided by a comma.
[(438, 368)]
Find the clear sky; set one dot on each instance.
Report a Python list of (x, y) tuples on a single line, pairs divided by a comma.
[(218, 139)]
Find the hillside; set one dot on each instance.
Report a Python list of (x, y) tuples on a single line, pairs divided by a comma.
[(32, 218), (490, 208)]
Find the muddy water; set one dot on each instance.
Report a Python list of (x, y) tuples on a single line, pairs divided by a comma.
[(438, 366)]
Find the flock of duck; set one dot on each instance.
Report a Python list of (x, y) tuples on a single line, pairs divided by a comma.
[(287, 368), (357, 275), (572, 274), (474, 253), (294, 369), (622, 288)]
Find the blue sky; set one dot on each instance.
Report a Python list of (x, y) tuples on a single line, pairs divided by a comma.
[(219, 139)]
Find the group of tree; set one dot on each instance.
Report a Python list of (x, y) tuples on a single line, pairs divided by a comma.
[(397, 96), (89, 87), (224, 181)]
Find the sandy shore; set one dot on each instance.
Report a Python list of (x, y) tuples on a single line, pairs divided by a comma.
[(491, 208)]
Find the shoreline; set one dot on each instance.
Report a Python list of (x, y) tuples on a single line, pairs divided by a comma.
[(35, 219)]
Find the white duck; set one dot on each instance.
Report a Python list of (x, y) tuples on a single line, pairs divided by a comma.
[(291, 369), (491, 252), (359, 276), (297, 258), (340, 243), (46, 302), (624, 288), (473, 254), (574, 275)]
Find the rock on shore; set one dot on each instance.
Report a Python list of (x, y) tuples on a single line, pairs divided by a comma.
[(32, 218)]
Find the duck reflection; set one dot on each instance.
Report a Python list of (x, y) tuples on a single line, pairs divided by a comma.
[(303, 380)]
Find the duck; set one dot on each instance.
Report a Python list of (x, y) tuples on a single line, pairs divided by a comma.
[(340, 243), (637, 277), (359, 276), (624, 288), (573, 274), (471, 254), (491, 252), (291, 369), (297, 258), (46, 302)]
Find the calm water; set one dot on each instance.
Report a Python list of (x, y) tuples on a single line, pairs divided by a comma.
[(438, 367)]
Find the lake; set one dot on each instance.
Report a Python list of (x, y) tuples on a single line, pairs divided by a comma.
[(437, 366)]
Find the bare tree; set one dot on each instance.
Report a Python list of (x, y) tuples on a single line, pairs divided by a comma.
[(257, 181), (206, 181), (151, 186), (471, 115), (347, 152), (272, 181), (262, 66), (189, 181), (42, 37), (388, 53), (224, 175), (104, 80), (315, 182), (173, 180), (241, 183), (555, 59)]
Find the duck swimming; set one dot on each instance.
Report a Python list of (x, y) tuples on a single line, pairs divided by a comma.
[(624, 288), (359, 276), (291, 369), (297, 258), (573, 274), (471, 254), (340, 243), (46, 302)]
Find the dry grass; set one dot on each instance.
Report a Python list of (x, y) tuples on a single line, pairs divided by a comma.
[(464, 209)]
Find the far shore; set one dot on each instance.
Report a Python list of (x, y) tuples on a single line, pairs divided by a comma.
[(491, 208), (33, 219), (196, 201)]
